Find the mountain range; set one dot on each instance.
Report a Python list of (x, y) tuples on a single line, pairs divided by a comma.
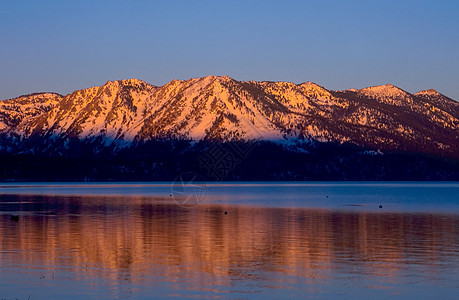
[(126, 115)]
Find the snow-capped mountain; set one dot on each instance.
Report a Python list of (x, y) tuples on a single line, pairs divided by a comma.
[(126, 112)]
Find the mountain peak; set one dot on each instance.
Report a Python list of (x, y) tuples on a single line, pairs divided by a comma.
[(310, 83), (43, 95), (132, 81), (378, 88), (126, 82), (314, 90), (429, 92), (219, 78), (387, 90)]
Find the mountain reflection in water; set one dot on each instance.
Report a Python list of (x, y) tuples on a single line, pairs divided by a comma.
[(139, 247)]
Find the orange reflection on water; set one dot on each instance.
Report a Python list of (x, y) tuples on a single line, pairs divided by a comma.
[(145, 239)]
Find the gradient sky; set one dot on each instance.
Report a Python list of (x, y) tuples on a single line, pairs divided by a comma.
[(63, 46)]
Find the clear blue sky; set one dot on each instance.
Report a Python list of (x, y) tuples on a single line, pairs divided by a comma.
[(62, 46)]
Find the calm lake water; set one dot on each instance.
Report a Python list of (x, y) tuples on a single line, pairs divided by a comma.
[(229, 240)]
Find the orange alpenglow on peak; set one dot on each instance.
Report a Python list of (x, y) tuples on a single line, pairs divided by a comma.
[(428, 92)]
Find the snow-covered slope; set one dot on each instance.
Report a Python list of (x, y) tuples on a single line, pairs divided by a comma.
[(20, 110), (221, 108)]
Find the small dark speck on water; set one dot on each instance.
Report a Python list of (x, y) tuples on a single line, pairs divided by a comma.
[(170, 195), (15, 218), (226, 212), (380, 206)]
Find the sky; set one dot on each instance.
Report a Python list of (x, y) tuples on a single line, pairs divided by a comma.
[(62, 46)]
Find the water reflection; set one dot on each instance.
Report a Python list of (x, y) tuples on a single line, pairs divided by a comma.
[(146, 246)]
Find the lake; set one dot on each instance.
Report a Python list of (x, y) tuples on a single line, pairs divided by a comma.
[(238, 240)]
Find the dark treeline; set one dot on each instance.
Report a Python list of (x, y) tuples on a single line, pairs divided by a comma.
[(165, 160)]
